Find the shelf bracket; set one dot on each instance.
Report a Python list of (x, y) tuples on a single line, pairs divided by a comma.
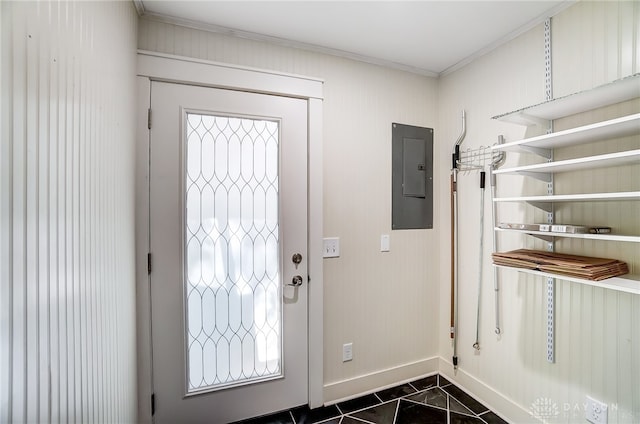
[(545, 206), (524, 118), (542, 176), (551, 290), (551, 282), (540, 151), (548, 239)]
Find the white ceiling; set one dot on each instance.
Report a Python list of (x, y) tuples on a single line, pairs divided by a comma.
[(428, 37)]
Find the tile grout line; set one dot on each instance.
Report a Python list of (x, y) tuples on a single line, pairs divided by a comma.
[(329, 419), (469, 414), (448, 406), (427, 404), (395, 415), (370, 406), (359, 419), (465, 405), (449, 399), (481, 418)]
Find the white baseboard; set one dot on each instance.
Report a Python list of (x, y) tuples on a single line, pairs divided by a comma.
[(499, 403), (364, 384)]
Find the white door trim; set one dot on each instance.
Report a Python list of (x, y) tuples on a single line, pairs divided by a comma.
[(162, 67), (171, 68)]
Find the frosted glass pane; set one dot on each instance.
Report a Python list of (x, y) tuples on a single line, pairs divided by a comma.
[(232, 279)]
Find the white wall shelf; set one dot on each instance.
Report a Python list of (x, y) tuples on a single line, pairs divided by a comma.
[(546, 202), (615, 92), (601, 237), (543, 170), (543, 114), (627, 283), (618, 127), (587, 197)]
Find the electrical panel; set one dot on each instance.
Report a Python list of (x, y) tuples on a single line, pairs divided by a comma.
[(412, 177)]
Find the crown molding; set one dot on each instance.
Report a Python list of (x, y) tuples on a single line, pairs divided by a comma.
[(139, 5), (284, 43), (489, 48), (248, 35)]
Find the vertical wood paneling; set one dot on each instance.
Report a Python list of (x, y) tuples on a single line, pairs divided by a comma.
[(602, 37), (597, 330), (5, 215), (67, 273)]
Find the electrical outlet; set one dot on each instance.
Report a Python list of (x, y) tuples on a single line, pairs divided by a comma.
[(596, 411), (347, 352), (331, 247)]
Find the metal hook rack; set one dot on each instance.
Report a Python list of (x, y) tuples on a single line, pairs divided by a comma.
[(478, 159)]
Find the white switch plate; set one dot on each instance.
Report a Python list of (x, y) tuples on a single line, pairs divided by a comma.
[(331, 247), (596, 411), (384, 243), (347, 352)]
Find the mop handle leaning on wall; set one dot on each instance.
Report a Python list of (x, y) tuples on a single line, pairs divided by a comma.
[(454, 255), (476, 345), (453, 247), (454, 266), (454, 240)]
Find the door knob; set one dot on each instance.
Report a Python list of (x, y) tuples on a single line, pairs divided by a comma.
[(296, 281)]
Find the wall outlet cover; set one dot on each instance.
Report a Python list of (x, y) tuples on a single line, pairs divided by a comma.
[(596, 411)]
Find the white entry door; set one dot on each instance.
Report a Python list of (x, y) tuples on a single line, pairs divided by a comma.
[(228, 237)]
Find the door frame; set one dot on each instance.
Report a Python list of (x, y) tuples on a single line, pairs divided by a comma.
[(152, 66)]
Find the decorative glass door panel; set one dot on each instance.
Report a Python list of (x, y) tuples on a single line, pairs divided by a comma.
[(232, 280), (228, 209)]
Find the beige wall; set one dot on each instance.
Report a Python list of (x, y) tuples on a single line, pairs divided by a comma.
[(67, 283), (384, 303), (597, 330)]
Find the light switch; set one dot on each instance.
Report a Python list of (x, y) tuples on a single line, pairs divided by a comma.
[(331, 247), (384, 243)]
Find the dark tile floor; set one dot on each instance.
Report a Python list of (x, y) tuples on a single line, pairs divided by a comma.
[(430, 400)]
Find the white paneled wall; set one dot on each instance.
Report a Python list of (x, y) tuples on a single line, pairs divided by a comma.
[(395, 307), (67, 306), (384, 303), (602, 37), (597, 330)]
